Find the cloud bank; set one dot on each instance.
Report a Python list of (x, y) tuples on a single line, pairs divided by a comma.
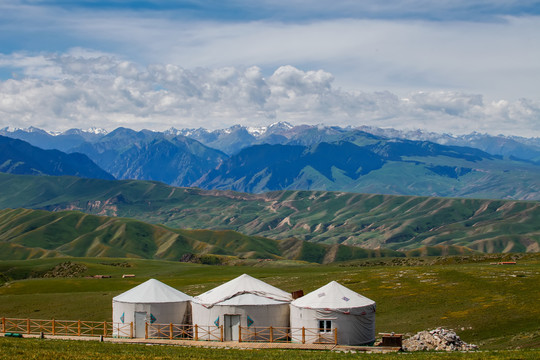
[(82, 88), (487, 47)]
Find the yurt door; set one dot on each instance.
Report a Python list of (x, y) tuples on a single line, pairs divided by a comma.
[(140, 324), (232, 325)]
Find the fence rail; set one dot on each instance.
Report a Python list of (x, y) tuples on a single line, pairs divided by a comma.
[(66, 327), (287, 334), (265, 334), (170, 331), (167, 331), (208, 333)]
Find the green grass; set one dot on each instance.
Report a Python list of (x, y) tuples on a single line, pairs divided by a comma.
[(495, 307), (64, 349)]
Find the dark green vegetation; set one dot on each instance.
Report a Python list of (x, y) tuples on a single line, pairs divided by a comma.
[(62, 349), (423, 225), (27, 234), (493, 306)]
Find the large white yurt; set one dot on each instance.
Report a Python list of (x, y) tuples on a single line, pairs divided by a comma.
[(152, 302), (243, 301), (334, 306)]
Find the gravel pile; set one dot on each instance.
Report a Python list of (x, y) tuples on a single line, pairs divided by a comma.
[(66, 269), (439, 340)]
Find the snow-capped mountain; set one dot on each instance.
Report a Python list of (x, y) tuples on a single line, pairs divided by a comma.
[(235, 138), (283, 156), (508, 146)]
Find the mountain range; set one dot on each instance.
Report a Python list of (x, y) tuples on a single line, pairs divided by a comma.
[(233, 139), (424, 225), (19, 157), (147, 155), (286, 157)]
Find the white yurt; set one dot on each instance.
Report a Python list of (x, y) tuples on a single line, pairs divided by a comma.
[(335, 306), (152, 302), (243, 301)]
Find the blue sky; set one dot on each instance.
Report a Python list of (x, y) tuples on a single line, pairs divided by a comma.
[(448, 66)]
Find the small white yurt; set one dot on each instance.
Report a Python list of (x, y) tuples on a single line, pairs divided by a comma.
[(243, 301), (334, 306), (152, 302)]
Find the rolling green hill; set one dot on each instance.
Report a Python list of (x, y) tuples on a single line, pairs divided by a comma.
[(433, 225), (28, 234)]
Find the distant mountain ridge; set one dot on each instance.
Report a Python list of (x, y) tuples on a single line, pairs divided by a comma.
[(233, 139), (367, 164), (19, 157), (147, 155), (281, 156)]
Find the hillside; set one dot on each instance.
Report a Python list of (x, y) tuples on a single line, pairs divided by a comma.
[(366, 164), (425, 224), (29, 234), (19, 157)]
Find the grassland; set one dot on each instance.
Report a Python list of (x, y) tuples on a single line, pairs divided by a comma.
[(493, 306), (62, 349)]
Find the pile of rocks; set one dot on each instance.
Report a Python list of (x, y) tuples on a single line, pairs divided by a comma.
[(66, 269), (439, 340)]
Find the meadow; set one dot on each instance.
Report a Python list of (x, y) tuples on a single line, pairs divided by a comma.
[(62, 349), (493, 306)]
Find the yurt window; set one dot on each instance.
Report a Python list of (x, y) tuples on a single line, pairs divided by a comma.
[(325, 326)]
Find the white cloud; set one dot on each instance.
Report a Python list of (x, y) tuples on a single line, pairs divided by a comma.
[(486, 47), (83, 89)]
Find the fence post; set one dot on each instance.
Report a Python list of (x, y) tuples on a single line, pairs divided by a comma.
[(239, 334), (104, 328), (303, 335), (3, 324), (271, 334), (53, 328), (146, 330), (131, 330), (28, 326), (196, 332), (170, 331), (79, 328), (221, 333)]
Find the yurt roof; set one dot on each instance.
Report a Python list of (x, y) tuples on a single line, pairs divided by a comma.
[(332, 296), (152, 291), (244, 290)]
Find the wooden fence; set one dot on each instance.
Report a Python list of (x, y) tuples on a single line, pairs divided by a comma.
[(245, 334), (184, 332), (166, 331), (66, 327), (285, 334)]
